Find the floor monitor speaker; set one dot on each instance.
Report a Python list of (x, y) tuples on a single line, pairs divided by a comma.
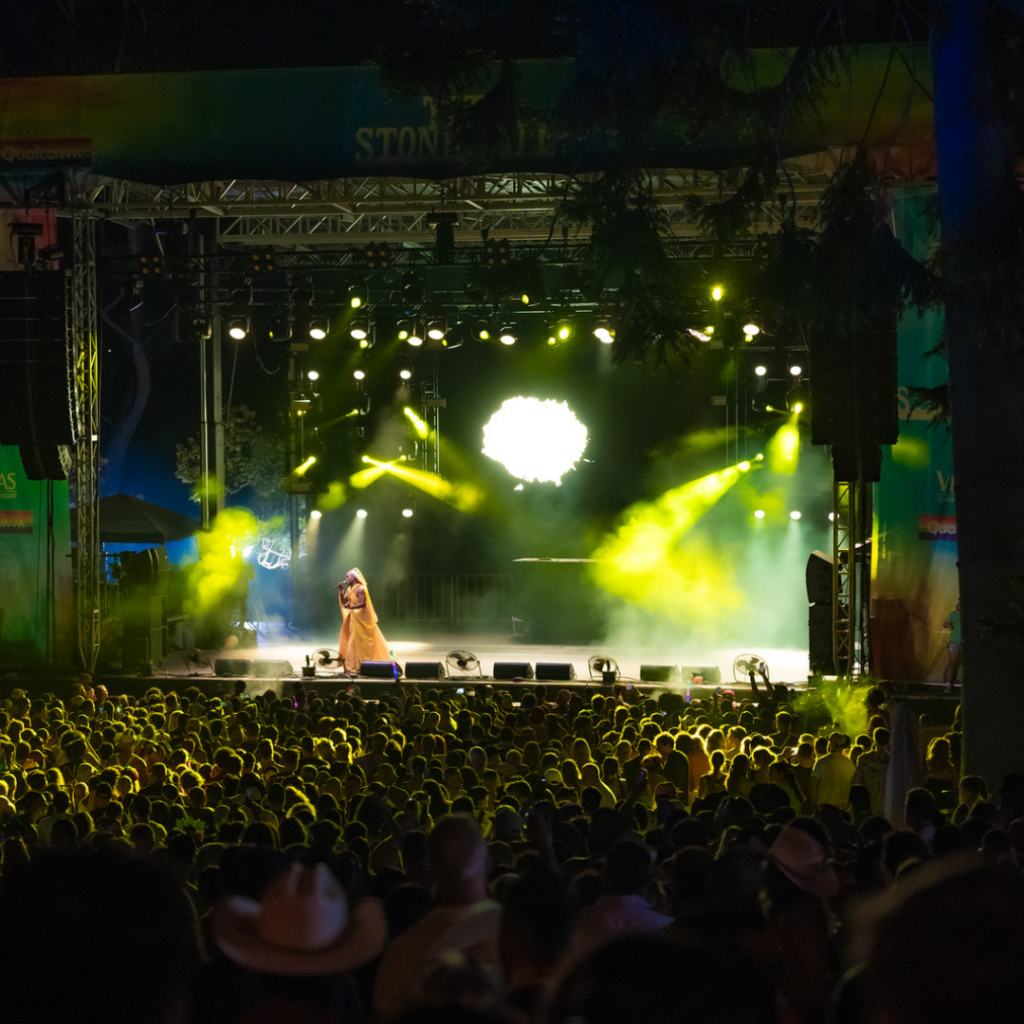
[(513, 670), (232, 667), (272, 669), (551, 670), (424, 670), (378, 669), (659, 673)]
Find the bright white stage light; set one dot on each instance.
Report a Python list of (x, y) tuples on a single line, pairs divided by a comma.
[(315, 514), (407, 512), (534, 439), (361, 513), (794, 515)]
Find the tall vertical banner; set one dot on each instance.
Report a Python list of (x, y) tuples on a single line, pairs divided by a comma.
[(914, 574), (36, 621)]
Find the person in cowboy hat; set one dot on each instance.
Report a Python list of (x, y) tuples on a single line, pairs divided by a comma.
[(303, 928)]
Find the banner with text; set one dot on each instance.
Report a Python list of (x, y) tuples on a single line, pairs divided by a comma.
[(914, 574), (36, 622)]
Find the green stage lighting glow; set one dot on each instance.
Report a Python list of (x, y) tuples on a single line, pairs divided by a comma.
[(534, 439)]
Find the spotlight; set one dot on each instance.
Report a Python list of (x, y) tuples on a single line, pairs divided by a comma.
[(357, 295), (794, 515), (377, 255), (312, 375), (360, 513), (319, 328), (482, 330), (359, 375), (760, 370), (603, 335), (759, 456), (359, 330), (405, 373), (497, 252), (524, 299), (563, 330), (752, 330), (239, 327), (798, 407), (796, 369), (759, 513), (315, 514), (743, 467), (717, 292), (831, 517), (414, 339), (508, 335), (436, 330), (407, 513)]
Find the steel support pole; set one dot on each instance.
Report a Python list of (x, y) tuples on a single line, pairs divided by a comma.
[(85, 356), (218, 401)]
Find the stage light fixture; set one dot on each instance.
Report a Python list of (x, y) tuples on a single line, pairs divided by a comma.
[(743, 467), (717, 292), (795, 369), (377, 255), (315, 514), (414, 339), (359, 375), (405, 373), (497, 252), (760, 370), (238, 328), (759, 513), (798, 407), (407, 513), (357, 295), (359, 330), (759, 456), (319, 328), (831, 517), (794, 515), (482, 330), (361, 513), (507, 335), (563, 330), (524, 299), (312, 375), (752, 330), (436, 330)]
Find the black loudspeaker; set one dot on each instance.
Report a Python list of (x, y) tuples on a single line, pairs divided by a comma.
[(135, 655), (272, 669), (513, 670), (822, 657), (857, 462), (378, 669), (819, 578), (45, 462), (659, 673), (554, 670), (232, 667), (424, 670), (709, 673), (853, 388), (38, 408)]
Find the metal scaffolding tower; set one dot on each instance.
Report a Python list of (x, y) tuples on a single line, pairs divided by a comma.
[(85, 355), (851, 576)]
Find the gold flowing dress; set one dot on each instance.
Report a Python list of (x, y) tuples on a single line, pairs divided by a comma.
[(360, 638)]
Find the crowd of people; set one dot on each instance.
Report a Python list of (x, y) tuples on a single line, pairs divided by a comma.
[(422, 855)]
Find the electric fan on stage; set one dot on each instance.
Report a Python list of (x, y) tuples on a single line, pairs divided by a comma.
[(463, 665), (746, 666), (599, 666), (325, 658)]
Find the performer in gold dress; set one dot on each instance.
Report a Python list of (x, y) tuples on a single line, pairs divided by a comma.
[(360, 639)]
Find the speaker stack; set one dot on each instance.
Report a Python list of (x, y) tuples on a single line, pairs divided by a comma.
[(39, 408)]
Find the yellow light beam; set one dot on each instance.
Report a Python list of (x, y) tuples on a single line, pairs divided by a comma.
[(462, 496), (784, 448), (300, 470)]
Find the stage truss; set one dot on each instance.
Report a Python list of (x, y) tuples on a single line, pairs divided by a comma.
[(328, 223)]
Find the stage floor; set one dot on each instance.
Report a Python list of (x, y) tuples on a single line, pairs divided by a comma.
[(789, 666)]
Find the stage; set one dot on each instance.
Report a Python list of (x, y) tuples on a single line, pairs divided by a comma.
[(789, 666)]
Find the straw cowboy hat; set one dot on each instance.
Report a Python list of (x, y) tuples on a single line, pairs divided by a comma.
[(801, 858), (301, 927)]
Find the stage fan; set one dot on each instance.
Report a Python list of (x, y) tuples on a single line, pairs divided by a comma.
[(747, 663), (463, 664), (599, 664), (325, 657)]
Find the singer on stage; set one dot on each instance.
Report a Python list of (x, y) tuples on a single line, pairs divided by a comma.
[(360, 639)]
